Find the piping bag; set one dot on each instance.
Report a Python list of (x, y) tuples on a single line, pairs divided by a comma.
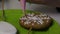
[(23, 5)]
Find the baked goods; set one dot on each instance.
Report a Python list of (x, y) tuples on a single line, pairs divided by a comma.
[(36, 21)]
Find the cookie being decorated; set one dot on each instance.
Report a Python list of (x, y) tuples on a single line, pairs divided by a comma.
[(36, 21)]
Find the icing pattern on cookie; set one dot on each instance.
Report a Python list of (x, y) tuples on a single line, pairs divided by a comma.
[(35, 18)]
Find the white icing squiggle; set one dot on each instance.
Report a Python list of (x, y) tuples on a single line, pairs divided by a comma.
[(35, 19)]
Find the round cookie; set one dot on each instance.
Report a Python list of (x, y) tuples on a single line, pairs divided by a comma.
[(36, 21)]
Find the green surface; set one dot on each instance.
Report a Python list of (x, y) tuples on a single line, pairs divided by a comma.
[(13, 16)]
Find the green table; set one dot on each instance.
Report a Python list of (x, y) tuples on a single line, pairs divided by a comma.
[(13, 16)]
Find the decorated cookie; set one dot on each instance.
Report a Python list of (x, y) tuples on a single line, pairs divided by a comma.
[(36, 21)]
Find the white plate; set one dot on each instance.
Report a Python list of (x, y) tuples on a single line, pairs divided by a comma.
[(6, 28)]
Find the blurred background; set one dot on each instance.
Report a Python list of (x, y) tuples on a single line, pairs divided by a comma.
[(15, 4)]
